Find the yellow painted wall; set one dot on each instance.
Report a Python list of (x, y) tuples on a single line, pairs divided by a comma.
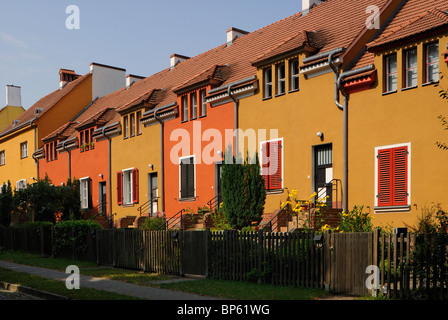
[(297, 116), (8, 114), (15, 167), (65, 110), (136, 152), (407, 116)]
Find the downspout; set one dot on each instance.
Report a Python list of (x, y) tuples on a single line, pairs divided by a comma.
[(235, 119), (109, 147), (162, 159), (344, 107)]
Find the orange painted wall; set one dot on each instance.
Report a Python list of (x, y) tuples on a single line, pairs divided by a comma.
[(220, 118)]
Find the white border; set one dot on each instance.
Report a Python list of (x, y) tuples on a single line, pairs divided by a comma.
[(380, 210), (132, 189)]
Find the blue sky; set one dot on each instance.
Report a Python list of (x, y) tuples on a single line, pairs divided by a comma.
[(138, 35)]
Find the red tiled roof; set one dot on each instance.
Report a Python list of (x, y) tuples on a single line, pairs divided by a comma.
[(44, 104), (336, 21)]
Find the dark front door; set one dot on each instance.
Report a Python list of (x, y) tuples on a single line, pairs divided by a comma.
[(323, 175), (153, 194), (103, 198), (218, 179)]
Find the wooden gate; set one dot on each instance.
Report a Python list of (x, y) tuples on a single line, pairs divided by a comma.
[(194, 252), (350, 255)]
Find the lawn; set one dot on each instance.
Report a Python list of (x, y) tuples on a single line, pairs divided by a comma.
[(232, 290)]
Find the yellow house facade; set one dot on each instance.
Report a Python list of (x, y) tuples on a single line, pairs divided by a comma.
[(397, 171)]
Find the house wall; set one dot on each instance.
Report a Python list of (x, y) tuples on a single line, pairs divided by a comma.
[(137, 152), (406, 116), (8, 114), (297, 117), (205, 149), (15, 167)]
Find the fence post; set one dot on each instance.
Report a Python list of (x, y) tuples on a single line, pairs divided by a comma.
[(260, 255)]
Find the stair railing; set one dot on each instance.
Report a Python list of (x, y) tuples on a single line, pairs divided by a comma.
[(274, 224), (212, 203), (333, 190), (176, 219)]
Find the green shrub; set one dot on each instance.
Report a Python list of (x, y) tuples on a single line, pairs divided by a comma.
[(36, 224), (70, 235), (152, 223)]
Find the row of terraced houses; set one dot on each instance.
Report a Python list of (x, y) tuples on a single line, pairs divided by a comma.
[(341, 96)]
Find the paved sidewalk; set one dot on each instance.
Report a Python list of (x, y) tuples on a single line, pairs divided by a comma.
[(107, 285)]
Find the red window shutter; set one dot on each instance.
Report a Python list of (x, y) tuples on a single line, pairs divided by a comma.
[(275, 165), (384, 177), (400, 171), (135, 185), (265, 163), (120, 188)]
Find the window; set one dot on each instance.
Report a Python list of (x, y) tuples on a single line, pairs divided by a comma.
[(132, 124), (203, 103), (138, 124), (185, 108), (86, 141), (267, 79), (432, 63), (21, 184), (50, 151), (24, 150), (271, 164), (294, 73), (127, 187), (194, 105), (2, 158), (84, 188), (125, 127), (187, 178), (392, 176), (281, 79), (391, 73), (410, 77)]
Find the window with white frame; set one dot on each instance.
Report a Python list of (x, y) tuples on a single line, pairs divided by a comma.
[(2, 158), (84, 187), (391, 73), (432, 62), (187, 178), (203, 94), (185, 108), (410, 77), (294, 74), (281, 79), (271, 155), (127, 186), (24, 150), (392, 177), (21, 184), (194, 106), (267, 82)]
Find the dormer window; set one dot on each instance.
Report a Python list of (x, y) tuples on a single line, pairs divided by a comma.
[(281, 79), (294, 75), (50, 151), (410, 76), (432, 62), (185, 108), (194, 105), (203, 103), (391, 73), (86, 141), (267, 83)]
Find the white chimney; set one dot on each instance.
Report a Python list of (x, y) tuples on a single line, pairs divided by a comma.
[(233, 34), (131, 79), (106, 79), (13, 96), (177, 58), (308, 4)]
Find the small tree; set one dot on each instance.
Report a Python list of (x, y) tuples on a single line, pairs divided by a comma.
[(243, 191), (6, 204)]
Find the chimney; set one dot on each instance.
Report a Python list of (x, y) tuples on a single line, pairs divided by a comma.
[(66, 76), (131, 79), (308, 4), (13, 96), (233, 34), (177, 58), (106, 79)]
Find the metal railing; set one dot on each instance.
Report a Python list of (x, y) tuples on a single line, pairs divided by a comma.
[(175, 222), (144, 207), (215, 200), (280, 219), (331, 194)]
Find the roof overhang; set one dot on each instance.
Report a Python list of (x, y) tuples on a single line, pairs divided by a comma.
[(239, 90)]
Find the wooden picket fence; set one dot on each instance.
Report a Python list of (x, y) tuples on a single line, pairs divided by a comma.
[(409, 265)]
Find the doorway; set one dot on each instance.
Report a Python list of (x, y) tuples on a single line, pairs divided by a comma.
[(153, 194), (103, 198), (323, 172)]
